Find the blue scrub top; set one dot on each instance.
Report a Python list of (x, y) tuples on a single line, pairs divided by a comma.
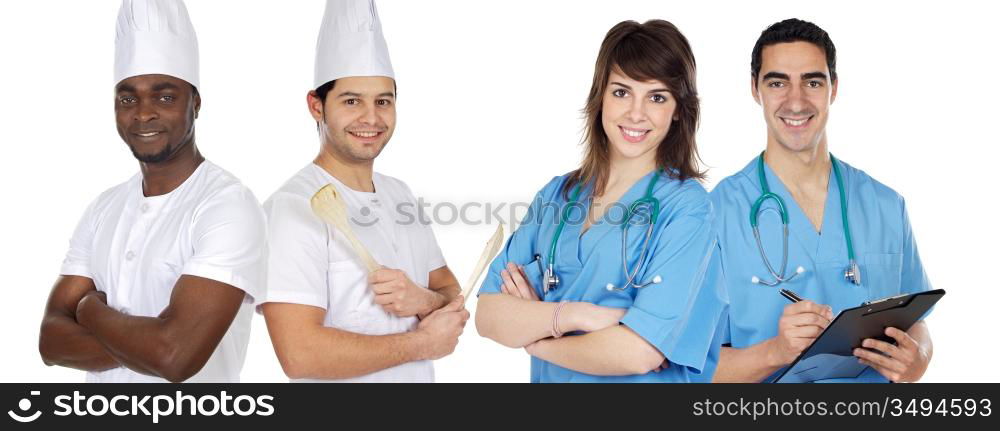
[(883, 245), (677, 316)]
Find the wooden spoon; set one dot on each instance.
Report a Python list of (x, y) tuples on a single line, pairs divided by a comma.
[(329, 206), (492, 247)]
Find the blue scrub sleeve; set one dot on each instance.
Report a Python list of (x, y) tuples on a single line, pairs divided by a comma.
[(725, 334), (681, 315), (714, 349)]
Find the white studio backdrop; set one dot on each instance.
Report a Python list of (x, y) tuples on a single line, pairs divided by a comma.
[(488, 111)]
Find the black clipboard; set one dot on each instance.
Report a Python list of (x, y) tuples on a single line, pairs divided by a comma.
[(831, 355)]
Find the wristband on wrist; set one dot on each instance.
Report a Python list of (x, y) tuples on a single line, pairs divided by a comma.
[(556, 333)]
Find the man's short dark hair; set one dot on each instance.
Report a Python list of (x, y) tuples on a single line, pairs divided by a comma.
[(324, 89), (794, 30)]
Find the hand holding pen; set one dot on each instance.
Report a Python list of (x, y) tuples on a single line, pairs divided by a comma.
[(791, 296), (800, 323)]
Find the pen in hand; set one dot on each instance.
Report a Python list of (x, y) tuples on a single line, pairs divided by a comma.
[(791, 296)]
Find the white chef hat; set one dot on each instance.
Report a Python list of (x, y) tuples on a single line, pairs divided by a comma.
[(351, 42), (155, 37)]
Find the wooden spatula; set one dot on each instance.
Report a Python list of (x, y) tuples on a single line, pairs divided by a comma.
[(492, 247), (329, 206)]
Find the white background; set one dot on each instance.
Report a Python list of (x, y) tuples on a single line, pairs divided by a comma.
[(489, 100)]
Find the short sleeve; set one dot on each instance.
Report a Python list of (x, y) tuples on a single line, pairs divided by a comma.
[(681, 316), (298, 258), (229, 239), (519, 249), (726, 334), (435, 258), (77, 261)]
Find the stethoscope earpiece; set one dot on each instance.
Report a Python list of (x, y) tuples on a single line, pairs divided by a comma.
[(656, 280)]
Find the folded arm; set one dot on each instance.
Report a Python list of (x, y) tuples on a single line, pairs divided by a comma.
[(62, 341), (444, 285), (613, 351), (516, 322), (177, 343), (307, 349), (516, 317), (400, 296)]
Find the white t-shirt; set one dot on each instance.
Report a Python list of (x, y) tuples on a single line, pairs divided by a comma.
[(313, 264), (135, 248)]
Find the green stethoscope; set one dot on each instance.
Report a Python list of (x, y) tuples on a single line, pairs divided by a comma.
[(551, 279), (853, 271)]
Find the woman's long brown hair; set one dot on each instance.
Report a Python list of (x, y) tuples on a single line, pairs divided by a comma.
[(655, 50)]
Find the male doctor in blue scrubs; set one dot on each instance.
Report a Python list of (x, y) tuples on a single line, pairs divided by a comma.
[(794, 80)]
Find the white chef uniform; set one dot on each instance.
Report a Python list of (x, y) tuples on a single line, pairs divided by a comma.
[(312, 263), (135, 248)]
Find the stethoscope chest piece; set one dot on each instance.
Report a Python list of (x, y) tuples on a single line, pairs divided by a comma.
[(551, 279), (652, 208), (853, 273)]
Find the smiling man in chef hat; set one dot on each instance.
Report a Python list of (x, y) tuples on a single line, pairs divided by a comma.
[(162, 271), (329, 319)]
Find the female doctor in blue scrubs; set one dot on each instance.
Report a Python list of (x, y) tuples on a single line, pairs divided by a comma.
[(838, 219), (617, 313)]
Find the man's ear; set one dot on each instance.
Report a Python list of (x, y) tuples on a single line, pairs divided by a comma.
[(754, 92), (315, 106), (833, 92), (197, 104)]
